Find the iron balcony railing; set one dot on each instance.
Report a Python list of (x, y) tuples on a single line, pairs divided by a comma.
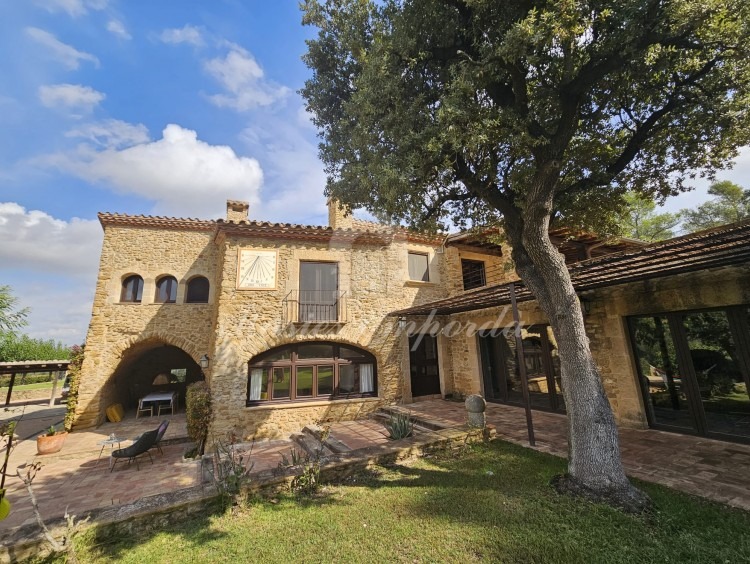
[(315, 306)]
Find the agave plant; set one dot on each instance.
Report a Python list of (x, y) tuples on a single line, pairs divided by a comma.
[(399, 426)]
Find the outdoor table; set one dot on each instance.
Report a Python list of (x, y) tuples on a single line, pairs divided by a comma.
[(156, 397), (110, 442)]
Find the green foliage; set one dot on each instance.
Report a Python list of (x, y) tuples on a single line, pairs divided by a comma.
[(731, 203), (433, 110), (15, 347), (198, 412), (74, 372), (639, 219), (11, 318), (231, 472), (399, 426)]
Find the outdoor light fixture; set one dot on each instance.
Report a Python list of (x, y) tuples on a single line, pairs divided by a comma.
[(205, 361), (401, 323)]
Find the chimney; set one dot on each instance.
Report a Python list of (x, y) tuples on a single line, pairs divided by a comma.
[(237, 210), (339, 217)]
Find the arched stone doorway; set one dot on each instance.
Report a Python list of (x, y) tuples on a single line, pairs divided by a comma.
[(151, 366)]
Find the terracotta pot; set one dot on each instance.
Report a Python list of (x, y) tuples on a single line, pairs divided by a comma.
[(48, 444)]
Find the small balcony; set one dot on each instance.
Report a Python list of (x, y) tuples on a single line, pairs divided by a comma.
[(315, 307)]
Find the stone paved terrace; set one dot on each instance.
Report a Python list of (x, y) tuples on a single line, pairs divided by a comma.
[(73, 479), (708, 468)]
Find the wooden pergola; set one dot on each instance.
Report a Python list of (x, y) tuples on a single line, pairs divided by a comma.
[(32, 366)]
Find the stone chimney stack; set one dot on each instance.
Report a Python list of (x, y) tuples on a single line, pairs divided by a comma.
[(237, 210), (338, 216)]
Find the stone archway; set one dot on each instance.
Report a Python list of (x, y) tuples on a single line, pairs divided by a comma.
[(147, 366)]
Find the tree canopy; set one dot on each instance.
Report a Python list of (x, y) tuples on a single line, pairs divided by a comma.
[(530, 113), (432, 109), (11, 318), (731, 203), (640, 220)]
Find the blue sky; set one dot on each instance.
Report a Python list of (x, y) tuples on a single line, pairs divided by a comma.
[(139, 107)]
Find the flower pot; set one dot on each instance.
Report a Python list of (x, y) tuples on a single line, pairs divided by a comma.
[(48, 444)]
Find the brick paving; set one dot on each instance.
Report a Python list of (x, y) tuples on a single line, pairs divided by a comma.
[(716, 470), (359, 434)]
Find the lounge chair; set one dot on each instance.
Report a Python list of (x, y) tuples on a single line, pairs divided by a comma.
[(140, 447), (160, 435)]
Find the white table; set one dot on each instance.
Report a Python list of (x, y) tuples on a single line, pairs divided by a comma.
[(156, 397)]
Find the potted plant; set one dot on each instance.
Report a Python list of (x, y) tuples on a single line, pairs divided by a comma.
[(50, 441)]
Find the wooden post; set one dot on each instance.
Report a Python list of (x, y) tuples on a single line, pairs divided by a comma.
[(10, 388), (54, 387), (521, 363)]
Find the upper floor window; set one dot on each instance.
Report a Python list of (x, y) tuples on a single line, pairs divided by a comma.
[(132, 289), (318, 291), (419, 267), (473, 274), (166, 290), (197, 290), (311, 370)]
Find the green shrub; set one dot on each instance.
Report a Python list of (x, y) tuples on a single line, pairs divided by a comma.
[(399, 426), (198, 411), (74, 372)]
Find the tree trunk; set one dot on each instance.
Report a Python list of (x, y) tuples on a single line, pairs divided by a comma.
[(594, 466)]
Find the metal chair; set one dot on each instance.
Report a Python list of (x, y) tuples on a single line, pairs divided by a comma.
[(140, 447), (143, 409)]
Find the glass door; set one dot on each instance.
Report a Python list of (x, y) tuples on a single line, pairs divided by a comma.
[(318, 291), (694, 369), (501, 374)]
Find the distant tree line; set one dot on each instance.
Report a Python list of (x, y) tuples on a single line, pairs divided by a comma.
[(17, 347), (730, 203), (14, 347)]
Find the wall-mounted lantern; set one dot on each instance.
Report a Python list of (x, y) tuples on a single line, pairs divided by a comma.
[(205, 361)]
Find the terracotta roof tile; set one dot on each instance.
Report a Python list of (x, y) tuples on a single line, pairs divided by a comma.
[(721, 246)]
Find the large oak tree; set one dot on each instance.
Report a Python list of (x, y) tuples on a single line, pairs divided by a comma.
[(526, 112)]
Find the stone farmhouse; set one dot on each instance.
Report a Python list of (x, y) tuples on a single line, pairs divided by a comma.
[(292, 324)]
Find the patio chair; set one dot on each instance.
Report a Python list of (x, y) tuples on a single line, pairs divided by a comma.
[(160, 430), (160, 435), (140, 447)]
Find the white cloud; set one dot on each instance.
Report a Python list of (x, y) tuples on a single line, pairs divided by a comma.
[(187, 34), (74, 8), (66, 54), (243, 79), (83, 98), (294, 179), (116, 27), (182, 174), (111, 133), (34, 240)]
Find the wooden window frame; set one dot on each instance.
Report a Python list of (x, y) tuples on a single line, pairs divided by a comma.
[(483, 275), (427, 270), (168, 279), (187, 290), (294, 362), (125, 291)]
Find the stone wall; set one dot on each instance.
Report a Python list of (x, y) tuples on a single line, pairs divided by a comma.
[(249, 322), (119, 332), (606, 327)]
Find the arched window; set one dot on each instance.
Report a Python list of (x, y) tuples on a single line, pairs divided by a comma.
[(197, 290), (312, 370), (132, 289), (166, 290)]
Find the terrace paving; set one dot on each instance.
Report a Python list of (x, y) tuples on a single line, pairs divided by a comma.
[(74, 480)]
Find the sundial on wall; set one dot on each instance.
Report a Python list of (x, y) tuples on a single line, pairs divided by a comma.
[(256, 269)]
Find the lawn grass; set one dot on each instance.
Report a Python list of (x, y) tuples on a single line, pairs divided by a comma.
[(35, 386), (492, 503)]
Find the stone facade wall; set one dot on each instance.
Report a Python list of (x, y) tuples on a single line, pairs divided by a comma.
[(118, 331), (606, 327), (249, 322), (608, 332)]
